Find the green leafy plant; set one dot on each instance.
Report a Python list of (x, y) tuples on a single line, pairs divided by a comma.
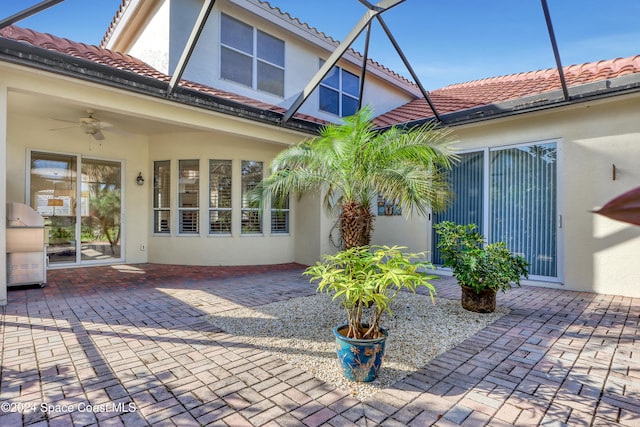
[(475, 264), (352, 163), (366, 279)]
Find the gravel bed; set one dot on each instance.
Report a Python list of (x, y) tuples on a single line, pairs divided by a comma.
[(300, 331)]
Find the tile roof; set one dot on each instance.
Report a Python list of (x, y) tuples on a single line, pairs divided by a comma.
[(449, 99), (129, 63), (463, 96)]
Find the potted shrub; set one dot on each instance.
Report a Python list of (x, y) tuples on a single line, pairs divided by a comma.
[(480, 269), (365, 280)]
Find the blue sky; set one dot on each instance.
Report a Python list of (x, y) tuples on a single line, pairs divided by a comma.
[(446, 41)]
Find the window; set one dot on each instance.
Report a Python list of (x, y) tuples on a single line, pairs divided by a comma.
[(280, 217), (188, 195), (251, 177), (162, 196), (339, 92), (219, 196), (251, 57)]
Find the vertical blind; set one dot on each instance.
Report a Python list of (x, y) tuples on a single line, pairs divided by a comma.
[(466, 207), (522, 207), (523, 204)]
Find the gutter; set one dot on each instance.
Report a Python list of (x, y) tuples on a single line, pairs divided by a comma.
[(27, 55)]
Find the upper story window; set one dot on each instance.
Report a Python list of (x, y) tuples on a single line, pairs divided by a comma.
[(251, 57), (339, 92)]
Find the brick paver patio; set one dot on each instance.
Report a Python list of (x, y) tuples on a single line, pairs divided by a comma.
[(128, 345)]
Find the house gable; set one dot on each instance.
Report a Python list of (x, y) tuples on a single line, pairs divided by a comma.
[(135, 31)]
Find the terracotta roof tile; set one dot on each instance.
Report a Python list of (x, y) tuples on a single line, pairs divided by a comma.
[(463, 96), (456, 97)]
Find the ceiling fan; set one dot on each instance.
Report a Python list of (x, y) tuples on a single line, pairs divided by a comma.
[(90, 125)]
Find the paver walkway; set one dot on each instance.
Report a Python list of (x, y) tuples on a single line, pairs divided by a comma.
[(128, 345)]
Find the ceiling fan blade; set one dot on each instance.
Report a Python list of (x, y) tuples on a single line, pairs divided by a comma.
[(98, 135), (64, 120), (65, 127)]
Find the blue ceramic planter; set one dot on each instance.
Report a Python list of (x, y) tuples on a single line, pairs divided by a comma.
[(360, 359)]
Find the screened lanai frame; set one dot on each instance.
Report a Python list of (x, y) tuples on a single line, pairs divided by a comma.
[(374, 11)]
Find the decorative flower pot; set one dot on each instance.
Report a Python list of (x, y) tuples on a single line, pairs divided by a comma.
[(360, 359), (483, 302)]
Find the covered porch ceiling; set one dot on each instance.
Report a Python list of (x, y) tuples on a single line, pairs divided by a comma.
[(62, 113)]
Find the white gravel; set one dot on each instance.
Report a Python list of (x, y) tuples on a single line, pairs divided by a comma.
[(300, 331)]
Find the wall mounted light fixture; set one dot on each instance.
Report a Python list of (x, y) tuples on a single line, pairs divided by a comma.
[(140, 179)]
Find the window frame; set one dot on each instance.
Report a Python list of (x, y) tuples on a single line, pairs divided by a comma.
[(243, 196), (285, 209), (182, 209), (340, 91), (158, 209), (256, 59), (216, 209)]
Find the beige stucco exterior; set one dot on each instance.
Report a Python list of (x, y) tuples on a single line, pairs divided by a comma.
[(3, 191), (597, 254), (165, 131)]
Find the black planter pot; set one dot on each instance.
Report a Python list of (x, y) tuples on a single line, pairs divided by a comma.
[(483, 302)]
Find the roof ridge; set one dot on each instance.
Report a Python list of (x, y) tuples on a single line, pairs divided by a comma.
[(114, 22), (337, 42), (570, 70)]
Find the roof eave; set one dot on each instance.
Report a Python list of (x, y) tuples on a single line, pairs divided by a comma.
[(20, 53), (555, 99)]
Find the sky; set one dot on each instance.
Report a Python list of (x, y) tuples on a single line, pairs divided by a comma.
[(446, 41)]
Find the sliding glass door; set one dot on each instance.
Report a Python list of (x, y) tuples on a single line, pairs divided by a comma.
[(100, 210), (511, 194), (80, 200)]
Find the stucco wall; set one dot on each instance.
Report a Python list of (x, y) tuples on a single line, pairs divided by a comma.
[(412, 232), (152, 45), (212, 137), (598, 254), (236, 249), (28, 133)]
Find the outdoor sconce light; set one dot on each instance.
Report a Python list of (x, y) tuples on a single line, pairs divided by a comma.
[(140, 179)]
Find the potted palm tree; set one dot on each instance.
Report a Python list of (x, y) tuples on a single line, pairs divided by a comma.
[(353, 163), (365, 280), (480, 269)]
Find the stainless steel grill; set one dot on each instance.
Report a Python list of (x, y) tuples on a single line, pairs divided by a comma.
[(26, 246)]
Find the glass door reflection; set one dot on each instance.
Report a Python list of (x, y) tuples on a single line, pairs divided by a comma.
[(53, 195), (100, 210)]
